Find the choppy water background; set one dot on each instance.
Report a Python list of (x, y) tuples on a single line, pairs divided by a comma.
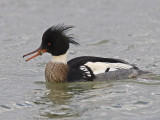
[(126, 29)]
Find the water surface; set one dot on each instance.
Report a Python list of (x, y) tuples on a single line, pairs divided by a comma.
[(123, 29)]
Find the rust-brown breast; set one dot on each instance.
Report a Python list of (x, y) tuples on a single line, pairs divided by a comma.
[(56, 72)]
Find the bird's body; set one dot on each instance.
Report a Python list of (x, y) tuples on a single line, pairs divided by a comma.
[(85, 68), (89, 68)]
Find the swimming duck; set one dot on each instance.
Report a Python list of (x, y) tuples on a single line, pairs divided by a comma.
[(86, 68)]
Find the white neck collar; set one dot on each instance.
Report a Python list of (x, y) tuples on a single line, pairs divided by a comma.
[(60, 59)]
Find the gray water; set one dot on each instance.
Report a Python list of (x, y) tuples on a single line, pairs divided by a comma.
[(125, 29)]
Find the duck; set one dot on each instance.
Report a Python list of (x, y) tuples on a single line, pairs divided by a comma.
[(56, 41)]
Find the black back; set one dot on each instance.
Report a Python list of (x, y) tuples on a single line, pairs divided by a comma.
[(78, 61)]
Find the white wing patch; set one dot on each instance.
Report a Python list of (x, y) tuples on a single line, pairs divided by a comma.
[(86, 72), (100, 67)]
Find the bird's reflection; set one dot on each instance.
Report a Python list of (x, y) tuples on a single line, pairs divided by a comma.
[(61, 99), (59, 92)]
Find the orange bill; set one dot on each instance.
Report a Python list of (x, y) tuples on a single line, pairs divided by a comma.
[(39, 51)]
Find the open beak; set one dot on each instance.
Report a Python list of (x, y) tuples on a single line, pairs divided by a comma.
[(39, 51)]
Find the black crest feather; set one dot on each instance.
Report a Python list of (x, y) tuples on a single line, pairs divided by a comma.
[(63, 29)]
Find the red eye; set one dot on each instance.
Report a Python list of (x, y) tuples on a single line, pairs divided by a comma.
[(49, 44)]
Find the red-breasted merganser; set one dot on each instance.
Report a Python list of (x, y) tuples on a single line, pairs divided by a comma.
[(86, 68)]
